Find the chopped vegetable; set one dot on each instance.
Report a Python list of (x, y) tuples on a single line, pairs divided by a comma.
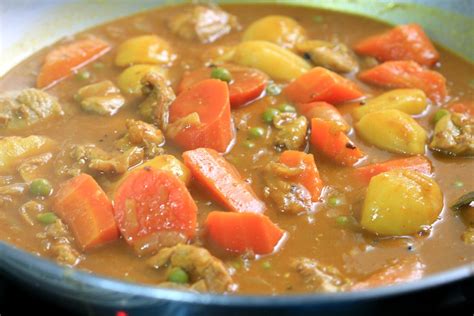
[(178, 275), (269, 114), (463, 201), (221, 74), (285, 107), (144, 49), (439, 115), (309, 176), (403, 42), (328, 139), (277, 62), (320, 84), (210, 100), (41, 187), (292, 129), (14, 149), (256, 132), (245, 84), (154, 209), (334, 56), (394, 131), (222, 180), (417, 163), (454, 135), (86, 209), (462, 108), (62, 61), (281, 30), (47, 218), (130, 80), (407, 74), (410, 101), (171, 164), (102, 98), (405, 270), (325, 112), (241, 232), (401, 202)]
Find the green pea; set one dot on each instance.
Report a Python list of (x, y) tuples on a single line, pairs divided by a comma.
[(248, 144), (458, 184), (178, 275), (266, 265), (41, 187), (98, 65), (334, 201), (256, 132), (221, 74), (440, 114), (342, 220), (83, 75), (46, 218), (285, 107), (269, 114), (273, 89)]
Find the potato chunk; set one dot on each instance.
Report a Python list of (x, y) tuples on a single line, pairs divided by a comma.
[(281, 30), (14, 149), (410, 101), (393, 131), (279, 63), (145, 49), (401, 202), (129, 81)]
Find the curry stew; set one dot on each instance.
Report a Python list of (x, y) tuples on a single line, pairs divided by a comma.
[(269, 150)]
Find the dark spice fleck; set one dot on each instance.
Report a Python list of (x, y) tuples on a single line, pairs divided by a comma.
[(350, 146), (307, 56), (147, 168), (362, 102)]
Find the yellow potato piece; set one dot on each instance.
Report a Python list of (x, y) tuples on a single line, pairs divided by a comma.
[(401, 202), (129, 81), (393, 131), (279, 63), (14, 149), (410, 101), (171, 164), (281, 30), (146, 49)]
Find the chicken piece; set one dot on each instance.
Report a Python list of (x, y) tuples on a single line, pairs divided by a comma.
[(58, 243), (454, 135), (31, 168), (319, 277), (20, 109), (101, 98), (198, 263), (205, 23), (30, 210), (334, 56), (288, 196), (156, 106), (144, 135), (291, 133)]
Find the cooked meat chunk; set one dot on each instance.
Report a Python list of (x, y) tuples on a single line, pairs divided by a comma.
[(156, 106), (334, 56), (205, 23), (291, 134), (57, 240), (144, 135), (198, 263), (101, 98), (319, 277), (29, 210), (20, 109), (288, 196), (454, 135)]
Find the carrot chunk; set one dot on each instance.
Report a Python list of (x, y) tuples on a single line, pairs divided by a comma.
[(324, 111), (462, 108), (407, 74), (222, 180), (209, 100), (246, 85), (154, 209), (320, 84), (404, 42), (86, 209), (329, 140), (241, 232), (309, 177), (417, 163), (62, 61)]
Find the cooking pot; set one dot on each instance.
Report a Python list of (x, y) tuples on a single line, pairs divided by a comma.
[(28, 25)]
